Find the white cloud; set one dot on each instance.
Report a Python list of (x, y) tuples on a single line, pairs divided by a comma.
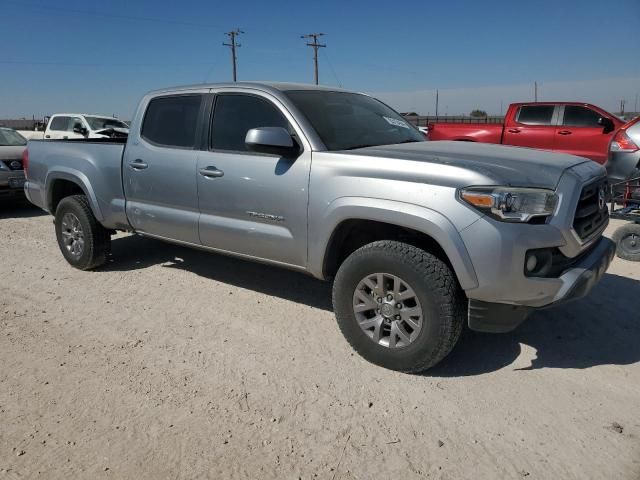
[(605, 93)]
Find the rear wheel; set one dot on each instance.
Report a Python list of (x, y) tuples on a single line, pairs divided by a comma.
[(84, 243), (627, 239), (398, 306)]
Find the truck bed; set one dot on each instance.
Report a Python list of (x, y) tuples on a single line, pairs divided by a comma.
[(55, 163)]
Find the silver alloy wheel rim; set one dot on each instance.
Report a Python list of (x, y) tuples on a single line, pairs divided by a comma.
[(72, 235), (631, 243), (387, 309)]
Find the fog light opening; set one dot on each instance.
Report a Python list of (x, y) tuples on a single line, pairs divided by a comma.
[(538, 263)]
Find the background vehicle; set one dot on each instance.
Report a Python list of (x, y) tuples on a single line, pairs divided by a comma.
[(419, 236), (575, 128), (12, 145), (79, 125), (624, 153)]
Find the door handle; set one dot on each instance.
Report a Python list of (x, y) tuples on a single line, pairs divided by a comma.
[(47, 136), (65, 138), (514, 130), (564, 132), (138, 164), (211, 172)]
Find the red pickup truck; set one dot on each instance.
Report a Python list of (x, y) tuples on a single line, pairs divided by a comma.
[(576, 128)]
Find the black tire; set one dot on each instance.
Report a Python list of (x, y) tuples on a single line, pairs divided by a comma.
[(627, 239), (97, 239), (442, 300)]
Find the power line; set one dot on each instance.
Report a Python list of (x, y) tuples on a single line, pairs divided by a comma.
[(101, 64), (332, 69), (315, 46), (232, 35), (111, 15)]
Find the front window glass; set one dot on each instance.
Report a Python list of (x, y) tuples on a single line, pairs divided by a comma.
[(235, 115), (100, 123), (345, 121), (575, 116)]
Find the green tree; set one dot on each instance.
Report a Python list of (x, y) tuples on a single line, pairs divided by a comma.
[(478, 113)]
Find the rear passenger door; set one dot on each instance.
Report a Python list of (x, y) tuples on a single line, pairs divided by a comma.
[(533, 126), (253, 204), (580, 134), (159, 168)]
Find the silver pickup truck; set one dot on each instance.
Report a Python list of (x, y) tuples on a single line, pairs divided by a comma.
[(419, 237)]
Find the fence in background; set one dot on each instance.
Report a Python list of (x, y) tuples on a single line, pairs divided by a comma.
[(423, 120)]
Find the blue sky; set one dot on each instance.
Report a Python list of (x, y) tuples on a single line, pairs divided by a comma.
[(58, 56)]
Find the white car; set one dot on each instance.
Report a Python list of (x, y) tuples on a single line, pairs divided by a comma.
[(64, 126)]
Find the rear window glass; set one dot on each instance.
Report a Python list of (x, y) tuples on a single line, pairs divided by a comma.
[(59, 123), (575, 116), (172, 121), (535, 114)]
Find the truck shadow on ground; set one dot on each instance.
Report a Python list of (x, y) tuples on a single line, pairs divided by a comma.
[(134, 252), (602, 329), (19, 208)]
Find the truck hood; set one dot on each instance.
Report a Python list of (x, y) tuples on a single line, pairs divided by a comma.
[(513, 166), (11, 153)]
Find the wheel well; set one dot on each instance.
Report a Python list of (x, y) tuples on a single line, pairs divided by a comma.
[(61, 189), (350, 235)]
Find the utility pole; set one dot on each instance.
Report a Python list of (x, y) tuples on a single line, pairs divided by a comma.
[(232, 35), (535, 91), (315, 46), (622, 104), (437, 95)]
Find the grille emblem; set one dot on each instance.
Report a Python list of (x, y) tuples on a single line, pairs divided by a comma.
[(16, 165), (602, 198)]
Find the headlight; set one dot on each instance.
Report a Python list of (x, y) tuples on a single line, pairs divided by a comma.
[(511, 204)]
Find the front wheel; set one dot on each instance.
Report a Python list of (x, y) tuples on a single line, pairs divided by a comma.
[(84, 243), (398, 306)]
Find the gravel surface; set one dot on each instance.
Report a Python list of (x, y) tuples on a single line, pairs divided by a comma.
[(174, 363)]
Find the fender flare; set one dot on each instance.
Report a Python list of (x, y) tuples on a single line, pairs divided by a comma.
[(80, 179), (415, 217)]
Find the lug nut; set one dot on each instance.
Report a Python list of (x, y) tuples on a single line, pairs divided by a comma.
[(398, 305), (397, 317), (379, 299)]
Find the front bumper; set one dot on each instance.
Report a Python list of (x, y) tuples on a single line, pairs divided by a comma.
[(574, 283)]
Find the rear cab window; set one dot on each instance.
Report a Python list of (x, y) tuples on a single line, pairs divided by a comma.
[(535, 114), (172, 121)]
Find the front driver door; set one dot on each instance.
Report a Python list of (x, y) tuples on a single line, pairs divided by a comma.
[(252, 204), (581, 134), (159, 168)]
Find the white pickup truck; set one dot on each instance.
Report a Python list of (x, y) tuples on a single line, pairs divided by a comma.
[(67, 126)]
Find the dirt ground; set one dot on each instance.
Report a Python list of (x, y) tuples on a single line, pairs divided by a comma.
[(173, 363)]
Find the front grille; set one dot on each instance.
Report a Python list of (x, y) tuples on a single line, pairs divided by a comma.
[(13, 164), (591, 212)]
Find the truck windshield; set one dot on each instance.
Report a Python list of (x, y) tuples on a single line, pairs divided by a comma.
[(345, 121), (100, 123), (10, 138)]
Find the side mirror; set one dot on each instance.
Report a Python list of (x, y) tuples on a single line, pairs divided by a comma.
[(272, 140), (79, 129), (607, 124)]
